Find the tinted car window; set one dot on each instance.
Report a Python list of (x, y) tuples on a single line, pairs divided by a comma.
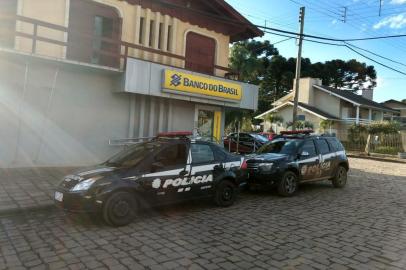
[(133, 155), (219, 154), (309, 147), (172, 156), (322, 145), (280, 147), (335, 144), (260, 138), (201, 153)]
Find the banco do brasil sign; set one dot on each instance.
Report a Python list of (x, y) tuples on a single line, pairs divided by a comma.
[(211, 88)]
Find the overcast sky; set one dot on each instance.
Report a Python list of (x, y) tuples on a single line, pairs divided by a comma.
[(324, 18)]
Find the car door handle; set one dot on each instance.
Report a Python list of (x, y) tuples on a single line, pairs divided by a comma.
[(183, 173)]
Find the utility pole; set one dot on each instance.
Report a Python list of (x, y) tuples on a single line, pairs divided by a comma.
[(298, 67), (380, 7)]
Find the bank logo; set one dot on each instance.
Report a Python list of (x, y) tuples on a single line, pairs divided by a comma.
[(176, 80), (156, 183)]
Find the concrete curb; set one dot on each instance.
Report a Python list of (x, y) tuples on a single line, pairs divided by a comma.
[(376, 158)]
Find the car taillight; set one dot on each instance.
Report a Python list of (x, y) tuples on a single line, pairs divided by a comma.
[(244, 165)]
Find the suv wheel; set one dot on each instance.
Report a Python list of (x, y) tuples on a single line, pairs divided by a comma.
[(340, 179), (120, 209), (226, 193), (288, 185)]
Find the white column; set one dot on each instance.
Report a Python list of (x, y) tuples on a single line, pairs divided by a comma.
[(137, 30), (156, 35), (173, 42), (165, 38), (357, 116), (147, 29), (370, 114)]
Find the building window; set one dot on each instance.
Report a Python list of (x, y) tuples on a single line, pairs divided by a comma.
[(103, 28), (161, 25), (7, 25), (168, 45), (301, 117), (142, 22), (103, 24), (151, 33)]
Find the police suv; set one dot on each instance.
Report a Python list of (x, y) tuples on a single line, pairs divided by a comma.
[(297, 157), (167, 169)]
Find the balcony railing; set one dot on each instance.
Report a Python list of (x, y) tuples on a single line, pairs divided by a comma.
[(361, 121), (124, 49)]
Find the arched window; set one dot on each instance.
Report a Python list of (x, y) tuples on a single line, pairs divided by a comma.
[(200, 53), (93, 28)]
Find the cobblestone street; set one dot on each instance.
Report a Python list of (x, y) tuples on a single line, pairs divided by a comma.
[(359, 227)]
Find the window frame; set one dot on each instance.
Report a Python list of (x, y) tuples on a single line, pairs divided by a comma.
[(328, 146), (193, 163), (316, 152)]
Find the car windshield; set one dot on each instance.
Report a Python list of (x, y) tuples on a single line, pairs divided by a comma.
[(132, 155), (261, 138), (280, 147)]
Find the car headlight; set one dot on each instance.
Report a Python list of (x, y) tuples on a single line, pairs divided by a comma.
[(84, 185), (265, 166)]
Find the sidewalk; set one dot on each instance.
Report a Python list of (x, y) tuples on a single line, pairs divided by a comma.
[(24, 189)]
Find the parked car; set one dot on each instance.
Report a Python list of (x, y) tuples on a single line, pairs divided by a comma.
[(268, 135), (247, 142), (296, 158), (164, 170)]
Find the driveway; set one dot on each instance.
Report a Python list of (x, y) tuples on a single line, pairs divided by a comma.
[(359, 227)]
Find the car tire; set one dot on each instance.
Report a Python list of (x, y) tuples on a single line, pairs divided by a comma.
[(288, 185), (340, 179), (120, 209), (226, 193)]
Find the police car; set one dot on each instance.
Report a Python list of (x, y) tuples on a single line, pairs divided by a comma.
[(167, 169), (297, 157)]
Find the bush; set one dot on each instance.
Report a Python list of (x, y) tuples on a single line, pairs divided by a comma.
[(357, 134), (385, 127), (386, 150)]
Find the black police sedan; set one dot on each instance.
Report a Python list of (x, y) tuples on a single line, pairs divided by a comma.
[(296, 158), (158, 172)]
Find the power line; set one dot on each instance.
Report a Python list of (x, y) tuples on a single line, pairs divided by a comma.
[(348, 46), (383, 57), (375, 61)]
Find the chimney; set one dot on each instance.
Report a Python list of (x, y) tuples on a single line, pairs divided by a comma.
[(306, 89), (368, 94)]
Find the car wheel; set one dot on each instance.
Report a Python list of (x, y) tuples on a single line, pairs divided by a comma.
[(288, 185), (226, 193), (340, 179), (120, 209)]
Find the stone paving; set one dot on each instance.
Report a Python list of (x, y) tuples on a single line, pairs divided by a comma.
[(28, 188), (362, 226)]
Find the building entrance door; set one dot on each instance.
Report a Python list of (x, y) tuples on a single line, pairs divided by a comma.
[(209, 122)]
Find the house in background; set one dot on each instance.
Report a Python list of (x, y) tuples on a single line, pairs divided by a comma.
[(78, 74), (318, 103), (399, 106)]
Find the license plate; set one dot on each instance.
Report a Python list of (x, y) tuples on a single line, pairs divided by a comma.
[(58, 196)]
